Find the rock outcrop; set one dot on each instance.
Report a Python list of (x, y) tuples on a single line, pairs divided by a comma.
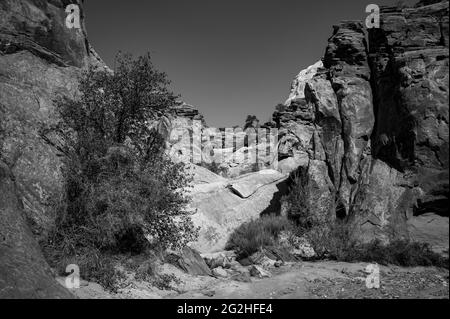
[(40, 60), (376, 117), (24, 273), (298, 85), (221, 205), (232, 151)]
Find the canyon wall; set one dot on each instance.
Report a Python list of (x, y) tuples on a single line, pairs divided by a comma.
[(373, 125), (40, 60)]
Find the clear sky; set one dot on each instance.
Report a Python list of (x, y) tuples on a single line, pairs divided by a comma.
[(228, 58)]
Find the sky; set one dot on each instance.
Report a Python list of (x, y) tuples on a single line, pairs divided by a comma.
[(227, 58)]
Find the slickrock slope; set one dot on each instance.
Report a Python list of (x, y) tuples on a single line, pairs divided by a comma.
[(221, 205), (374, 121)]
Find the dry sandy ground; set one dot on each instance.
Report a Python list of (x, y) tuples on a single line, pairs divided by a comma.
[(320, 280)]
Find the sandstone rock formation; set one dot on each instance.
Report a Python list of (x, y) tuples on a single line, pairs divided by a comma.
[(298, 85), (24, 273), (376, 117), (40, 59), (221, 206), (234, 151)]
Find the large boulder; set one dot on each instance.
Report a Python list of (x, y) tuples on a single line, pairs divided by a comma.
[(190, 261), (249, 184), (24, 273)]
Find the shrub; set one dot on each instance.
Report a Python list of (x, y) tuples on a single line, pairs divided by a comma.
[(298, 206), (165, 281), (251, 122), (336, 242), (213, 167), (121, 191), (254, 235), (400, 253)]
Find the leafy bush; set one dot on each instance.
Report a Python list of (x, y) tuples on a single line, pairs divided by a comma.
[(121, 190), (254, 235)]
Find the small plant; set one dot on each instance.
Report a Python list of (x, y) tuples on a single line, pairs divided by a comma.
[(250, 237), (165, 281)]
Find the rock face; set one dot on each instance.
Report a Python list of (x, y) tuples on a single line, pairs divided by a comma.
[(233, 152), (409, 55), (375, 119), (24, 273), (298, 85), (40, 59)]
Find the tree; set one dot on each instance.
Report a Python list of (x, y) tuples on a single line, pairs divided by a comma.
[(121, 189), (251, 121)]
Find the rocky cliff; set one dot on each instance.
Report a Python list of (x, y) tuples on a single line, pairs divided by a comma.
[(372, 125), (40, 59)]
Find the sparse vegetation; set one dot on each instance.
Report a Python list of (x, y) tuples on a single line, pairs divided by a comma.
[(329, 239), (213, 167), (401, 253), (165, 281), (251, 122), (254, 235), (299, 209), (121, 192)]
